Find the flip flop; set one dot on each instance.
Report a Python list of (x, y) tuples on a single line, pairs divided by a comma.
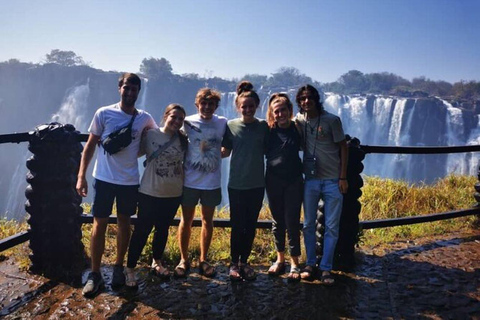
[(157, 271), (277, 269), (247, 272), (182, 269), (327, 279), (206, 269), (294, 275), (308, 273), (234, 273), (130, 280)]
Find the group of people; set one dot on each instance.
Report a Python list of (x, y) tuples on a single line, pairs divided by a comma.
[(183, 168)]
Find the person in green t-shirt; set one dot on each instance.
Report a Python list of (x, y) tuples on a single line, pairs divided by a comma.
[(245, 139)]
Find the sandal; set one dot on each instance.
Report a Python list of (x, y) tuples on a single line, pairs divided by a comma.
[(160, 271), (277, 269), (234, 273), (206, 269), (294, 275), (327, 278), (130, 280), (182, 269), (307, 273), (247, 272)]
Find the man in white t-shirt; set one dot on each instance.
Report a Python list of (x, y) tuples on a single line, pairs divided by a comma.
[(116, 177), (202, 183)]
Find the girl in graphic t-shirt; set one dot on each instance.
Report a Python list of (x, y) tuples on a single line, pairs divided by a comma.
[(160, 190), (245, 138)]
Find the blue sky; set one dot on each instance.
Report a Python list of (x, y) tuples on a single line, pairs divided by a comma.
[(438, 39)]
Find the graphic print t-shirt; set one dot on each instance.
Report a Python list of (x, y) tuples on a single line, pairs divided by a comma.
[(203, 161), (163, 176)]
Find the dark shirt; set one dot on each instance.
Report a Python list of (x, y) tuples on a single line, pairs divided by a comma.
[(282, 153)]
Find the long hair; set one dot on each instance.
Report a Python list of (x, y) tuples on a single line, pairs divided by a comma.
[(275, 98), (315, 95)]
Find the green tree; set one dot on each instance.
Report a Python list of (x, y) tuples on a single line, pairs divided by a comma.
[(354, 81), (64, 58), (156, 68), (258, 80), (287, 77)]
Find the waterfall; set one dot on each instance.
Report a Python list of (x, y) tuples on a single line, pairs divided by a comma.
[(72, 110), (473, 159), (142, 101), (454, 133), (396, 123), (74, 107)]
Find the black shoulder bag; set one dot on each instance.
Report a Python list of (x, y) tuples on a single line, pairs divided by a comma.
[(119, 139)]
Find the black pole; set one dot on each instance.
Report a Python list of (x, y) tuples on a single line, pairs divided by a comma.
[(53, 203)]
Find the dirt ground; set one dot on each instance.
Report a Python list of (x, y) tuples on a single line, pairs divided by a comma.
[(423, 279)]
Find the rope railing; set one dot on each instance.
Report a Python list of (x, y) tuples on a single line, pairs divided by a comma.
[(83, 137), (23, 236)]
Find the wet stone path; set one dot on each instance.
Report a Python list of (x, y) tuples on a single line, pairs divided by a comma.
[(422, 279)]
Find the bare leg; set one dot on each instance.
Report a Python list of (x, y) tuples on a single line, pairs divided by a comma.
[(280, 257), (294, 261), (97, 242), (185, 230), (123, 237), (207, 231)]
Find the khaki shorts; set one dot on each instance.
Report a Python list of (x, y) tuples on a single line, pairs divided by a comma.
[(208, 198)]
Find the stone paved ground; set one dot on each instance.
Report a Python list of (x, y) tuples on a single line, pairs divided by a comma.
[(422, 279)]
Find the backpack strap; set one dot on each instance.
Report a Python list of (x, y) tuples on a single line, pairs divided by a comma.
[(160, 149)]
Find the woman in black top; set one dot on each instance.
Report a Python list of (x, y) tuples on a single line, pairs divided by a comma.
[(284, 182)]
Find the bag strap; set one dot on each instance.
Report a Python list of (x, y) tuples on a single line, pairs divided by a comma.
[(133, 118), (160, 149)]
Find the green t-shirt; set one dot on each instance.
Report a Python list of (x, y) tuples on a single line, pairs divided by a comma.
[(248, 142), (323, 135)]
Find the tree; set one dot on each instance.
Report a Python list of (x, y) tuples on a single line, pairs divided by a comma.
[(354, 81), (64, 58), (256, 79), (156, 68), (287, 77)]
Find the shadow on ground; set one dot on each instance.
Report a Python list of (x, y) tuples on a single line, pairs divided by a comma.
[(426, 279)]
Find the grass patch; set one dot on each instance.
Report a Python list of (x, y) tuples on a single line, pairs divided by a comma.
[(381, 199), (386, 198)]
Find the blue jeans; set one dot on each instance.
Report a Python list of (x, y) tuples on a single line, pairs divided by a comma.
[(329, 192)]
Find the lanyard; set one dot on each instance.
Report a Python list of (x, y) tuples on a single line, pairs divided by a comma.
[(316, 135)]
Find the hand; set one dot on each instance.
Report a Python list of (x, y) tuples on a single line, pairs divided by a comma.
[(343, 185), (82, 187)]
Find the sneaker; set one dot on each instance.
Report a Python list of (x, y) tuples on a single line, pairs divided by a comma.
[(93, 285), (118, 277)]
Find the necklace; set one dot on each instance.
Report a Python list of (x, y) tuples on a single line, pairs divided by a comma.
[(312, 128)]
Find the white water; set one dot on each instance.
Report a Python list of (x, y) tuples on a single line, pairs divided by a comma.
[(72, 110)]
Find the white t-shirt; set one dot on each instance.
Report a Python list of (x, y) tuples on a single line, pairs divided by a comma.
[(163, 176), (122, 167), (203, 162)]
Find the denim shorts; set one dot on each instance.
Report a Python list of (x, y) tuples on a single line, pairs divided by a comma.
[(105, 193), (208, 198)]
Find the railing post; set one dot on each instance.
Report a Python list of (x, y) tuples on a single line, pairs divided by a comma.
[(53, 203), (477, 194), (349, 226), (349, 222)]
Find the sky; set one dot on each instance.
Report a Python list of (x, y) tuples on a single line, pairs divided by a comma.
[(438, 39)]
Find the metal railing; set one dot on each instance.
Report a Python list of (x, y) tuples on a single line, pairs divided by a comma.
[(267, 224)]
